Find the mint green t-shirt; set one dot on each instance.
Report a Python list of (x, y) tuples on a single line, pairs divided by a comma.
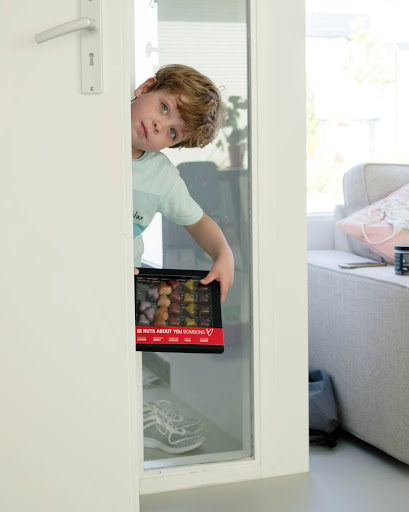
[(158, 187)]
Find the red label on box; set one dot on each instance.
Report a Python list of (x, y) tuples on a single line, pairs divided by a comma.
[(179, 335)]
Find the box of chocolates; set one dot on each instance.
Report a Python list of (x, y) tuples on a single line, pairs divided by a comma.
[(174, 312)]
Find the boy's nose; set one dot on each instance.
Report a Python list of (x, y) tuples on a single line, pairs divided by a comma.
[(157, 126)]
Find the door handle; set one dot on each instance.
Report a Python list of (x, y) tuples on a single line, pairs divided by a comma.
[(90, 25), (65, 28)]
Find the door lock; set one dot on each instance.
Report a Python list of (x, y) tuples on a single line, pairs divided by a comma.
[(91, 43)]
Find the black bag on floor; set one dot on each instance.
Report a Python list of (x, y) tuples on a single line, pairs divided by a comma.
[(323, 409)]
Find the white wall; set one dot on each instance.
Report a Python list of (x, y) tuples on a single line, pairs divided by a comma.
[(320, 231)]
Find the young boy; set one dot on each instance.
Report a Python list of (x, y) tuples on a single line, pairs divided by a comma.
[(179, 107)]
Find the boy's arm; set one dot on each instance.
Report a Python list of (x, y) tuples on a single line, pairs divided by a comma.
[(210, 238)]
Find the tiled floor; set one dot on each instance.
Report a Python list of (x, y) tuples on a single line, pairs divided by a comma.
[(353, 477)]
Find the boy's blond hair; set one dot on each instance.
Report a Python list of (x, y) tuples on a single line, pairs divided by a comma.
[(198, 101)]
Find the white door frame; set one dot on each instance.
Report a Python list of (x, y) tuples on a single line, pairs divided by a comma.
[(279, 317)]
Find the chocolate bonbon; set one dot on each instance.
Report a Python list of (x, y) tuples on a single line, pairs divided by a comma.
[(144, 304), (153, 293), (189, 322), (162, 313), (188, 298), (150, 314), (203, 298), (174, 310), (174, 284), (164, 301), (175, 297), (189, 285), (204, 311), (164, 289), (142, 320), (190, 310), (175, 321)]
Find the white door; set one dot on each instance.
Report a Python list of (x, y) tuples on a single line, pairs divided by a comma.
[(67, 376), (67, 365), (252, 400)]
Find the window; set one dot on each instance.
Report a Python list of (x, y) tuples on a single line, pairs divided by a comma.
[(212, 37), (357, 62)]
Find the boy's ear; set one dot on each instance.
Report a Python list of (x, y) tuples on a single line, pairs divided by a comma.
[(145, 86)]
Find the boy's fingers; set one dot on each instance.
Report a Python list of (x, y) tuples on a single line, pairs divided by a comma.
[(223, 292), (135, 271), (209, 278)]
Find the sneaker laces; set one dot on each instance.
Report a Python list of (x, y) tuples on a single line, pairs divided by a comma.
[(167, 408), (162, 423)]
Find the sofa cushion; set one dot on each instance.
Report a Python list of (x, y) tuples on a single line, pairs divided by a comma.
[(368, 226), (365, 184), (329, 260)]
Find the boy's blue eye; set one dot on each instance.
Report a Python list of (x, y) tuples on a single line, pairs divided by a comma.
[(173, 133), (165, 108)]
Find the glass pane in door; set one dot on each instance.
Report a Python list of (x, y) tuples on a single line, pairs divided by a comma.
[(202, 400)]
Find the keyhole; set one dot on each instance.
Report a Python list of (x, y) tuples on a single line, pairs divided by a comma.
[(91, 59)]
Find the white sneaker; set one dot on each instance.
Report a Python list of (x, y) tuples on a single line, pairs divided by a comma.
[(172, 415), (158, 433)]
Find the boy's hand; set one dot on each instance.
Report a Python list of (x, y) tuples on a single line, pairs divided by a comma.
[(135, 271), (223, 271), (211, 239)]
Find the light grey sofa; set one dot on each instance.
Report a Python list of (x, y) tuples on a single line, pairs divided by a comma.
[(359, 323)]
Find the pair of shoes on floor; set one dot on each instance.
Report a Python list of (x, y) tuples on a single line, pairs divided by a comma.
[(167, 430)]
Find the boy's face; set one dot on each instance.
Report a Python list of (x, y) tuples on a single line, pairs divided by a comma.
[(155, 121)]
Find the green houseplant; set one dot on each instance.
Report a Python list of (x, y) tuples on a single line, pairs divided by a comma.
[(234, 134)]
